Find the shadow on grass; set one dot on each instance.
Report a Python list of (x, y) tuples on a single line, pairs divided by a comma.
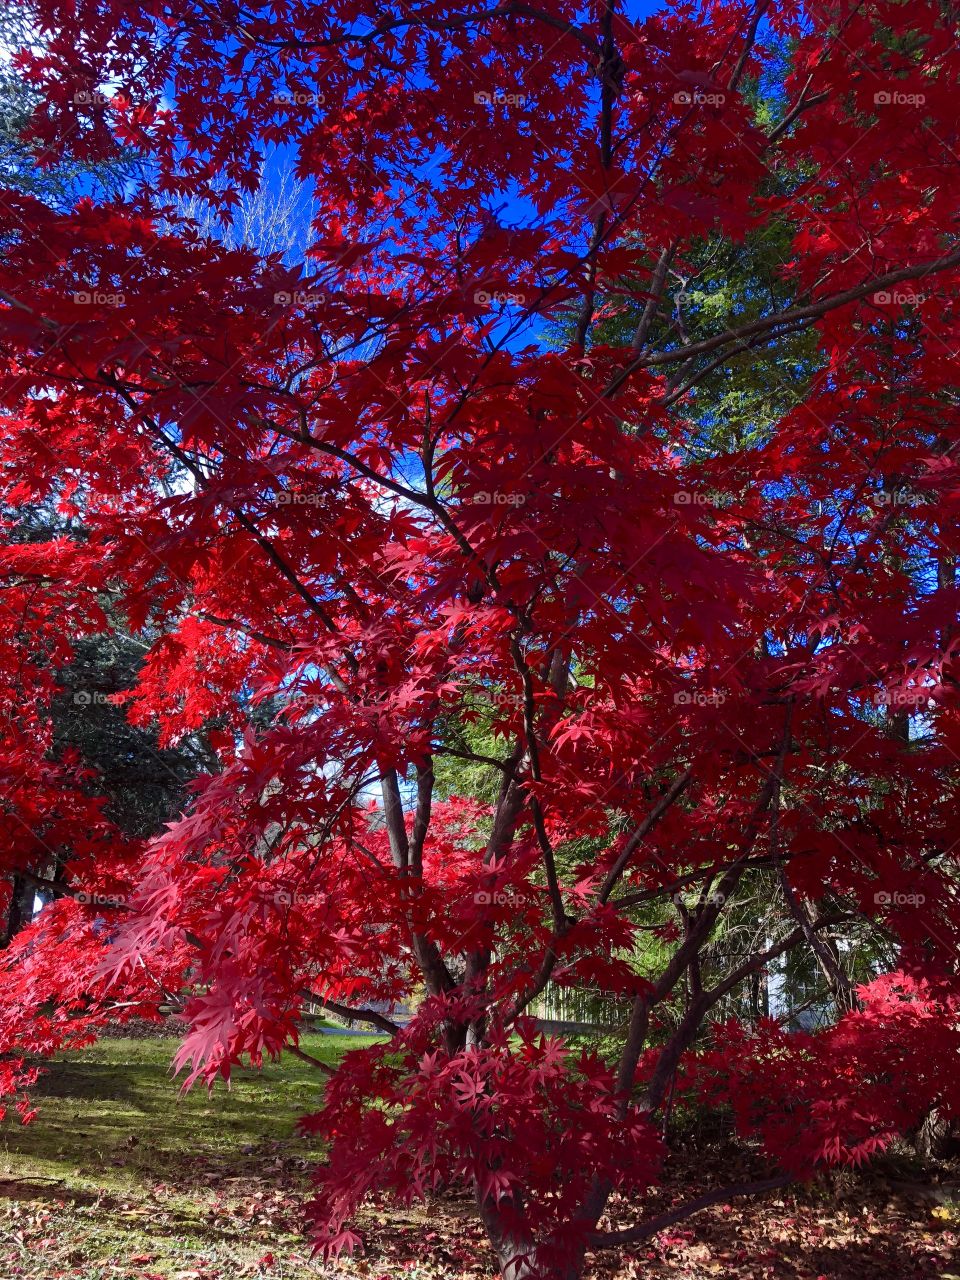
[(113, 1114), (79, 1080)]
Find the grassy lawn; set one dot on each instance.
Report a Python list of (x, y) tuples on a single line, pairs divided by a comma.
[(111, 1115), (119, 1178)]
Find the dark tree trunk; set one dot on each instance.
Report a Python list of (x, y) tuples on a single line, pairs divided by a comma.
[(937, 1137), (19, 909)]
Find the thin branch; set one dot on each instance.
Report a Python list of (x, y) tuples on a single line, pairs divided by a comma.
[(539, 825), (354, 1015), (673, 793), (234, 624), (470, 755), (747, 45), (644, 1230), (657, 282), (791, 316), (308, 1057)]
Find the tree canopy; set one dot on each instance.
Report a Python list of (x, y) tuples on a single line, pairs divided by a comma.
[(557, 565)]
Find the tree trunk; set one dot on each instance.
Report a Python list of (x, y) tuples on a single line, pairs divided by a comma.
[(516, 1254), (937, 1137), (19, 909)]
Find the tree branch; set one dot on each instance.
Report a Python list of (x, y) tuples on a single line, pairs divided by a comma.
[(673, 793), (308, 1057), (644, 1230), (354, 1015)]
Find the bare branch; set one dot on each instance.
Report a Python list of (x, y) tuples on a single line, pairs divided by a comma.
[(644, 1230), (673, 793), (308, 1057), (354, 1015)]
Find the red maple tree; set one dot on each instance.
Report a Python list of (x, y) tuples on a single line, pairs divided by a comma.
[(456, 480)]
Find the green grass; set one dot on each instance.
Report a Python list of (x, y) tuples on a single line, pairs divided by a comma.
[(93, 1102), (118, 1165), (121, 1178)]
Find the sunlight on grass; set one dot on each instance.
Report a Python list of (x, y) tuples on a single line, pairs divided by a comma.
[(115, 1112), (119, 1165)]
